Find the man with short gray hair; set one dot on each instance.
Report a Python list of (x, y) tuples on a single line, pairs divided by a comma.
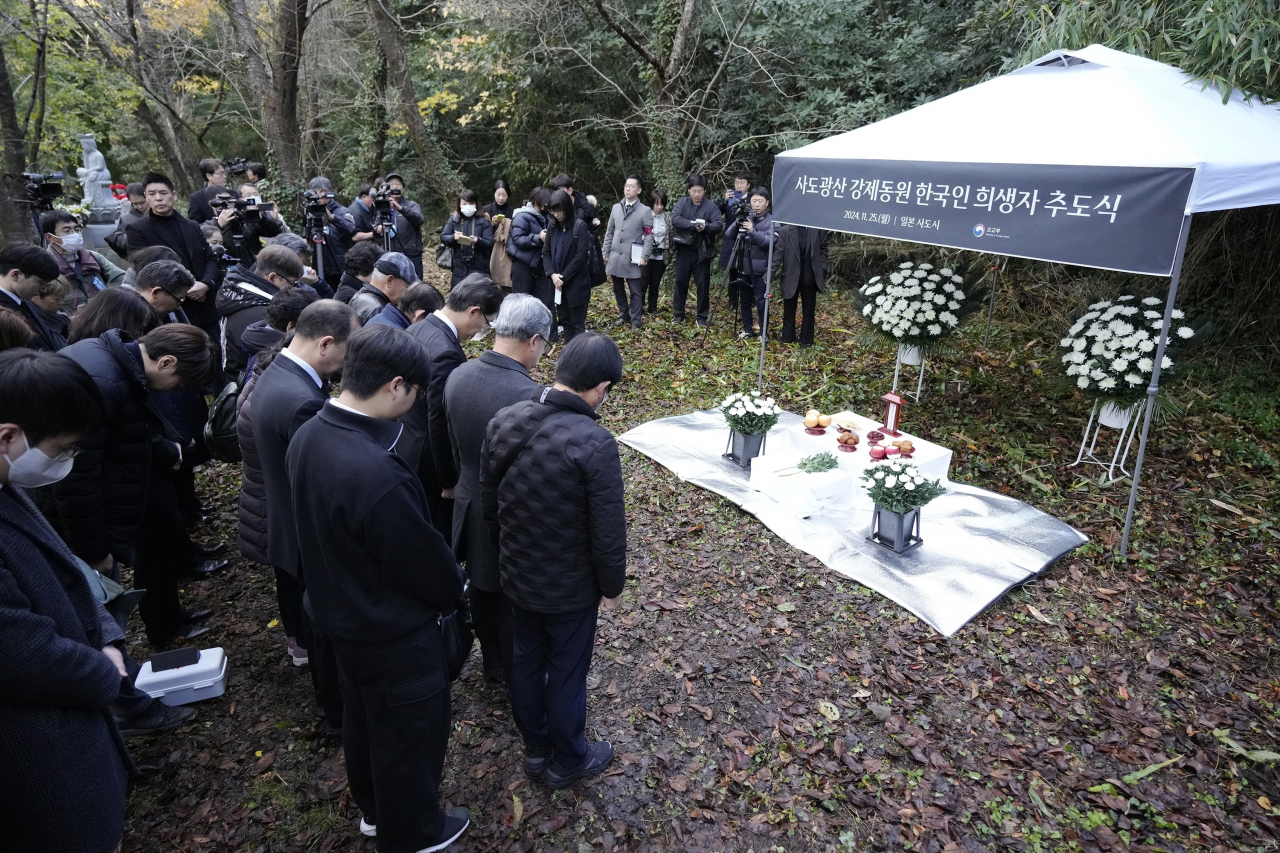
[(473, 395)]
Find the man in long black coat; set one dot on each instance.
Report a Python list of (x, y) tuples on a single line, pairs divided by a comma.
[(379, 576), (465, 314), (475, 392), (164, 226), (61, 661), (287, 395)]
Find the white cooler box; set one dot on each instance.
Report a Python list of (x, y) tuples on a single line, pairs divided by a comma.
[(204, 679)]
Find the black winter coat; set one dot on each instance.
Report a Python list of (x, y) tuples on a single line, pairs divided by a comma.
[(427, 421), (367, 302), (253, 491), (558, 511), (98, 508), (47, 336), (802, 249), (682, 217), (475, 393), (285, 398), (241, 301), (348, 287), (468, 258), (376, 568), (63, 785), (525, 244), (574, 267), (184, 237)]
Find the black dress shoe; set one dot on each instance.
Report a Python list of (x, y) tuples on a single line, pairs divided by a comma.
[(189, 631), (208, 567), (207, 551), (599, 756), (195, 615), (200, 521), (157, 719)]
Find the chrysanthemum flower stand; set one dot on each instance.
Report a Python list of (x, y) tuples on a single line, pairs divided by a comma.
[(1113, 417)]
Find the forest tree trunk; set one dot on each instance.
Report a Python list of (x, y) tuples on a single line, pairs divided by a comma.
[(16, 222), (439, 173), (280, 119)]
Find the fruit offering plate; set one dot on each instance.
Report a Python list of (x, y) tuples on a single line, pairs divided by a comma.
[(933, 460)]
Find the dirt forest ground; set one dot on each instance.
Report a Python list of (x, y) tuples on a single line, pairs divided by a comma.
[(1103, 706)]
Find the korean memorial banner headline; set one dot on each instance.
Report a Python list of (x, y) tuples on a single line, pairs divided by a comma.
[(1109, 217)]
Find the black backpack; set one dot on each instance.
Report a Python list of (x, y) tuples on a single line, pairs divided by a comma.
[(220, 429)]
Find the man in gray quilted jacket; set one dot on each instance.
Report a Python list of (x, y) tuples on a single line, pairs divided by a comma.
[(551, 486)]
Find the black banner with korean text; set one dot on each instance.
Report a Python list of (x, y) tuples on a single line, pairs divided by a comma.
[(1109, 217)]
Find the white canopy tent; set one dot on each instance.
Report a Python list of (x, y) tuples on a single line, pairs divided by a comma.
[(1091, 157)]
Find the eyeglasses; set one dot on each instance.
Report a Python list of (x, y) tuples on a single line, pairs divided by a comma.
[(70, 453)]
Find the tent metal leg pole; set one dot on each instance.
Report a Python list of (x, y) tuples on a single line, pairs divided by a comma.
[(991, 309), (1154, 388), (768, 294)]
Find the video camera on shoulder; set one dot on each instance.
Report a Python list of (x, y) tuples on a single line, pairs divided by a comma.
[(42, 190), (235, 167)]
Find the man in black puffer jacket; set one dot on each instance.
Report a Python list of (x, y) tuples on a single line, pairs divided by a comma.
[(111, 507), (559, 554), (244, 296)]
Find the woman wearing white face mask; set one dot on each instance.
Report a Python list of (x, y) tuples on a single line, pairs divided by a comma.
[(60, 652), (470, 235)]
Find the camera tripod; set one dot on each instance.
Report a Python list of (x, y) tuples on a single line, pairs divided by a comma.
[(315, 235)]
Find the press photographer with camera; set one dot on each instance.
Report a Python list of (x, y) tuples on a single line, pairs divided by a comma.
[(384, 215), (215, 177), (324, 217), (244, 220), (749, 257), (695, 222)]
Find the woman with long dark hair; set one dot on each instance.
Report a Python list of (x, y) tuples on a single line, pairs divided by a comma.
[(501, 204), (564, 257), (113, 308), (470, 236)]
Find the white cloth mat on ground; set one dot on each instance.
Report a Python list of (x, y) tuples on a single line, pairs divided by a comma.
[(977, 544)]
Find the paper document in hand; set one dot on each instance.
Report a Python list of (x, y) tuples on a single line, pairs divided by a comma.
[(637, 253)]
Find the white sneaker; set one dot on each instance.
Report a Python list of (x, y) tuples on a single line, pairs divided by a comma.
[(368, 830)]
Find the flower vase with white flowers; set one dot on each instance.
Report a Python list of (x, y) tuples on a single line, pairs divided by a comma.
[(900, 487), (916, 305), (898, 490), (1111, 348), (750, 416)]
